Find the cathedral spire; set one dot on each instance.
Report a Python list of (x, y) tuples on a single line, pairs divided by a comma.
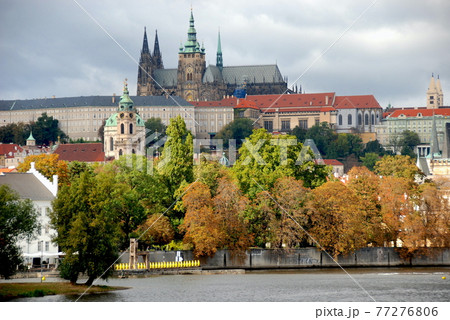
[(157, 57), (435, 153), (191, 45), (145, 48), (219, 59)]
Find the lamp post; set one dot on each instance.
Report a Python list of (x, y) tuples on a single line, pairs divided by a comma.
[(42, 255)]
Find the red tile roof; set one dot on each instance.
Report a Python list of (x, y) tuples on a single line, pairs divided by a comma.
[(425, 112), (84, 152), (293, 100), (332, 162), (360, 102), (5, 149), (246, 104)]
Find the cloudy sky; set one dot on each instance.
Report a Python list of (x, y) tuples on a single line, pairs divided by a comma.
[(55, 48)]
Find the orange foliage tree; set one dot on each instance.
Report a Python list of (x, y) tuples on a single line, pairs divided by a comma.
[(201, 225), (287, 213), (229, 206), (48, 165), (158, 230), (429, 224), (337, 218), (366, 186), (396, 199)]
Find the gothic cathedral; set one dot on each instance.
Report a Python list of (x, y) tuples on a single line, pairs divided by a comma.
[(194, 81)]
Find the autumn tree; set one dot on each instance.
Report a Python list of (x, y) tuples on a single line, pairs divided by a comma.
[(366, 186), (396, 200), (229, 205), (201, 225), (156, 230), (429, 224), (337, 218), (48, 165), (287, 213)]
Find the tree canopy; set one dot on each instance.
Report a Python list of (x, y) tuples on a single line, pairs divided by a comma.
[(239, 129), (18, 220)]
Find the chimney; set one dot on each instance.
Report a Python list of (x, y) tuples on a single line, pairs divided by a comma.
[(326, 100), (114, 98)]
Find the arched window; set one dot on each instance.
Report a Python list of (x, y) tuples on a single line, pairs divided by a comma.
[(366, 119), (349, 120), (120, 152), (122, 128), (373, 119), (189, 77), (340, 119), (131, 128), (111, 144), (359, 120), (132, 151)]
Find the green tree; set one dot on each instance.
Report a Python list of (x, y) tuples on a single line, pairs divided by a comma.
[(398, 166), (370, 159), (299, 133), (18, 220), (264, 158), (88, 227), (238, 129), (153, 125), (46, 130), (176, 163), (324, 138), (374, 146)]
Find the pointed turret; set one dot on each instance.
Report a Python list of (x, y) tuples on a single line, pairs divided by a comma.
[(31, 141), (219, 60), (435, 153), (157, 57)]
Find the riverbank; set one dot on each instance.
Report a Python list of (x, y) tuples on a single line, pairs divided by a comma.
[(11, 291)]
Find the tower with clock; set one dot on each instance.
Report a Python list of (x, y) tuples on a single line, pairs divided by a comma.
[(124, 131)]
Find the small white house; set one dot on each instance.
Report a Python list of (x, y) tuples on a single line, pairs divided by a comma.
[(41, 191)]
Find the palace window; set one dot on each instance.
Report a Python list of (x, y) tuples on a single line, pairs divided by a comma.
[(285, 125), (349, 120), (122, 128), (303, 123), (268, 125), (340, 120), (131, 128)]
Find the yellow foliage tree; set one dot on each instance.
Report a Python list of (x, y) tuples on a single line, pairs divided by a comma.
[(48, 165)]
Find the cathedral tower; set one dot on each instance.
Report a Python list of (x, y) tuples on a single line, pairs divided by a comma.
[(435, 96), (191, 66), (145, 70)]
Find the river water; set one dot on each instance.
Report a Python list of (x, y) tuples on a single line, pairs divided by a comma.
[(331, 285)]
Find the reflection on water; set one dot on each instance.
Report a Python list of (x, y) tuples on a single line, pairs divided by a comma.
[(393, 284)]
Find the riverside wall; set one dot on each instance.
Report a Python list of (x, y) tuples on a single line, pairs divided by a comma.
[(305, 258)]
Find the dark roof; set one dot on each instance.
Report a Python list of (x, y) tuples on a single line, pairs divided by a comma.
[(253, 74), (90, 101), (230, 75), (166, 77), (84, 152), (27, 186)]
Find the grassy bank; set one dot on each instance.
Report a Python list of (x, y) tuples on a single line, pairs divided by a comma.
[(9, 291)]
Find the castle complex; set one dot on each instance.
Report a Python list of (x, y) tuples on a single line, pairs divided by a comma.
[(194, 81)]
